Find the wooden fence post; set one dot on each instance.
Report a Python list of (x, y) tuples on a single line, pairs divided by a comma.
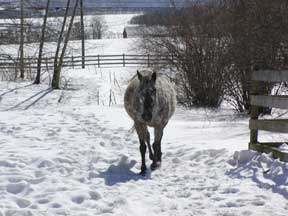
[(98, 60), (110, 97), (123, 60), (254, 112), (72, 59), (148, 60)]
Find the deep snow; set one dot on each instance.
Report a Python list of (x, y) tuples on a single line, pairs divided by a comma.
[(75, 157), (67, 152)]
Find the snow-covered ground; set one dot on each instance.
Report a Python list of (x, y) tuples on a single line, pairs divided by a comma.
[(67, 152), (114, 26)]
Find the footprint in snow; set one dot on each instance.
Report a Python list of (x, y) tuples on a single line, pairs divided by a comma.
[(79, 199), (18, 212), (95, 195), (56, 205), (23, 203), (258, 202), (43, 201), (16, 188), (232, 205), (230, 191), (217, 199)]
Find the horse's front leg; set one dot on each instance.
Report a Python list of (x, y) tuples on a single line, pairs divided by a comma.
[(151, 155), (141, 131), (157, 148)]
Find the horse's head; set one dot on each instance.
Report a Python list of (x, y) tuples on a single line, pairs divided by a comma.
[(147, 94)]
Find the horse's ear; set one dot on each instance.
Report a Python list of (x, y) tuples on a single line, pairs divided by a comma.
[(154, 76), (139, 75)]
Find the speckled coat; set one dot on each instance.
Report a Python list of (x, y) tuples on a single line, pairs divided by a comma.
[(164, 106)]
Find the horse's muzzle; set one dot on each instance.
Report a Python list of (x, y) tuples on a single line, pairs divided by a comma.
[(147, 117)]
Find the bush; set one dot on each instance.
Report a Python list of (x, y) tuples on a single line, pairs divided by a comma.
[(216, 46), (198, 52)]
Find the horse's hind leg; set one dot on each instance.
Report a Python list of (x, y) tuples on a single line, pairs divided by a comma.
[(151, 156), (141, 131), (157, 148)]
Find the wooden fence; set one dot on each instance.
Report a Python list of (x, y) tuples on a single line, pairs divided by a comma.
[(96, 60), (274, 125)]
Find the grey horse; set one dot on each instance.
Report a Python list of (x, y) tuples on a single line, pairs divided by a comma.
[(150, 100)]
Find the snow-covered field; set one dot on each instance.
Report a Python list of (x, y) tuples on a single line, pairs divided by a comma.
[(114, 25), (67, 152)]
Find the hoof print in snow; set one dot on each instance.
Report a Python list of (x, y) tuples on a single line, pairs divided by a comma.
[(43, 201), (258, 202), (95, 195), (16, 188), (45, 164), (23, 203), (18, 212), (78, 199), (230, 191), (56, 205)]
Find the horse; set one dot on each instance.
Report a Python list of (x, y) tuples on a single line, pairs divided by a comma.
[(150, 100)]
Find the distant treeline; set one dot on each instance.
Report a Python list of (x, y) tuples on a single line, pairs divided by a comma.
[(58, 12), (153, 18)]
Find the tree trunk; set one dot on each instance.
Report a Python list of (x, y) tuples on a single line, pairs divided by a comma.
[(82, 33), (22, 71), (58, 65), (37, 80)]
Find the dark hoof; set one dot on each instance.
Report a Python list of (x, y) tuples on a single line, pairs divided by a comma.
[(142, 173), (155, 165)]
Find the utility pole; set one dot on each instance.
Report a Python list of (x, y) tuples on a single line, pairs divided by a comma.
[(21, 39), (82, 33)]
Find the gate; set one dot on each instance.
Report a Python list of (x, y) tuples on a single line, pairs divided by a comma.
[(275, 125)]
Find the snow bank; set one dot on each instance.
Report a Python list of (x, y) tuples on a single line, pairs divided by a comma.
[(284, 147), (262, 169)]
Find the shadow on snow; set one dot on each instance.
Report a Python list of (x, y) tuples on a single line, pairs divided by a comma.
[(267, 174), (122, 173)]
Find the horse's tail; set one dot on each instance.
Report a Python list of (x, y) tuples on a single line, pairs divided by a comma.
[(132, 129)]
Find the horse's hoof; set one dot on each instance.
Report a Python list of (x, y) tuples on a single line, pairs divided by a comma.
[(142, 173), (155, 165)]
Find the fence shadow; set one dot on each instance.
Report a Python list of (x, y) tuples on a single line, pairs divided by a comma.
[(11, 90), (42, 94), (39, 98)]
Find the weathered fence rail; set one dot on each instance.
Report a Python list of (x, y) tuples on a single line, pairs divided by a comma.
[(274, 125), (122, 60)]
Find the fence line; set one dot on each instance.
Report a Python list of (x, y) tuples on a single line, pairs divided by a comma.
[(123, 60), (271, 125)]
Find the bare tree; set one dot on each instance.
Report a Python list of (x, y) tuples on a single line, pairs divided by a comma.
[(98, 27), (82, 33), (198, 52), (21, 49), (37, 80), (257, 32), (58, 64)]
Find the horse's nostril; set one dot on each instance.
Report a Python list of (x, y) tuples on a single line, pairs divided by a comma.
[(147, 117)]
